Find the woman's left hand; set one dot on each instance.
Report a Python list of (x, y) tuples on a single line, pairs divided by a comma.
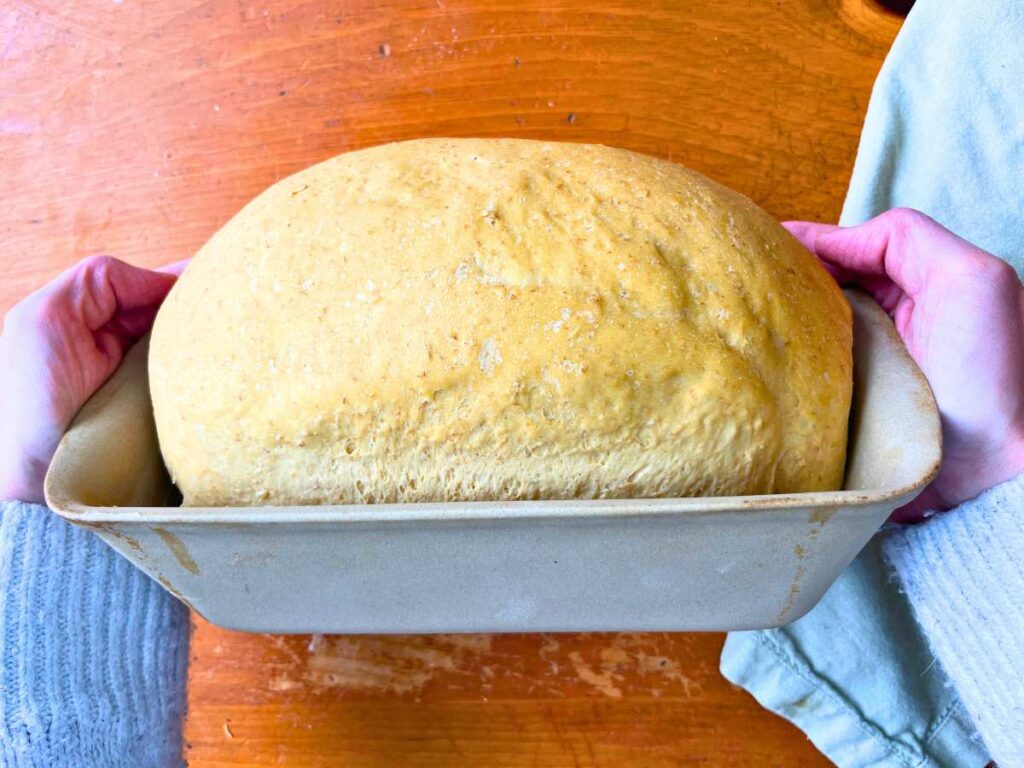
[(57, 348)]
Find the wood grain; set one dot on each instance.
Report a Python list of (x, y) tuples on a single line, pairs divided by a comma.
[(137, 128), (470, 700)]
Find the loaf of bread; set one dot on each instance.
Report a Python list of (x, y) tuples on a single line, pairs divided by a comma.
[(463, 319)]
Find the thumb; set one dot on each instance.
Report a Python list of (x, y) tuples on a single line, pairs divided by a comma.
[(175, 268), (901, 245), (808, 232), (100, 288)]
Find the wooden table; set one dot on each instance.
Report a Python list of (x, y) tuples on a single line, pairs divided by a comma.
[(137, 128)]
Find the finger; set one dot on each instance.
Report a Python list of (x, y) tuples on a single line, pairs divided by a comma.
[(839, 274), (925, 505), (883, 290), (807, 232), (902, 245), (175, 268), (99, 287), (131, 324), (112, 347)]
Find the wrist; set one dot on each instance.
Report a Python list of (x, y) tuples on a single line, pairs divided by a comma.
[(18, 491), (25, 459), (997, 465), (22, 480), (1014, 458)]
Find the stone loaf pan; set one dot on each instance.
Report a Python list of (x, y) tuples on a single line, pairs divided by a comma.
[(645, 564)]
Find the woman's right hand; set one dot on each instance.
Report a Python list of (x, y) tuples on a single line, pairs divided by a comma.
[(960, 311)]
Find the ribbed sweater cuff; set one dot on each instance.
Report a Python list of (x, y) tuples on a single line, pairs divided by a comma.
[(94, 654), (963, 572)]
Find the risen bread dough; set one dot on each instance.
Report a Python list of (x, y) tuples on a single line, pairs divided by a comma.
[(461, 319)]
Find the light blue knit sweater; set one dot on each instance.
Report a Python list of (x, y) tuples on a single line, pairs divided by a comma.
[(94, 654)]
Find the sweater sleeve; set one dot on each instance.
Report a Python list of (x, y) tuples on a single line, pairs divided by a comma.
[(963, 573), (94, 654)]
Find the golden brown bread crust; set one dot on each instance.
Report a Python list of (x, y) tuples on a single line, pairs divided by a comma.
[(464, 319)]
